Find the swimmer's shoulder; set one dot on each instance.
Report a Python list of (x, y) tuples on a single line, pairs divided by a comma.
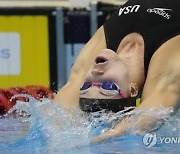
[(167, 57), (170, 47), (163, 78), (164, 72)]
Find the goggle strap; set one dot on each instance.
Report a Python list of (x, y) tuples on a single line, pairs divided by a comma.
[(122, 94)]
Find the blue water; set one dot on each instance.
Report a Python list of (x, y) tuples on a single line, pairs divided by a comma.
[(50, 129)]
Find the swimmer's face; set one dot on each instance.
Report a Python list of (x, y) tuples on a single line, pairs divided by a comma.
[(108, 66)]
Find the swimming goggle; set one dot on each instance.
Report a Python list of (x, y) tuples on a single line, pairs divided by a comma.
[(107, 86)]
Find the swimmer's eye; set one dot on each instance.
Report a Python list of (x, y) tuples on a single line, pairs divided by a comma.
[(109, 92), (106, 94)]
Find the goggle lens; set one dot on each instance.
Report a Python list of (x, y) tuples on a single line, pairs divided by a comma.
[(86, 85), (108, 85)]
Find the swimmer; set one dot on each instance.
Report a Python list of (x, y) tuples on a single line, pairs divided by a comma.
[(137, 48)]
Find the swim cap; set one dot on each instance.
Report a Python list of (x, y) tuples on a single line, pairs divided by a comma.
[(114, 105)]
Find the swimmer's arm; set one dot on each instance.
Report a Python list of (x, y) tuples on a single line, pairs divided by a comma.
[(68, 96)]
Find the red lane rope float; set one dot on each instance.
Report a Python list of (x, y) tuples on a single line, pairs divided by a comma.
[(4, 105), (42, 92), (7, 94), (7, 100), (24, 90)]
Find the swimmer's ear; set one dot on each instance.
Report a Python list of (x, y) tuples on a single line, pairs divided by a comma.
[(131, 43), (133, 89)]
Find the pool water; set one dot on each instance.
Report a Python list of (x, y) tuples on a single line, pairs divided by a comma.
[(50, 129)]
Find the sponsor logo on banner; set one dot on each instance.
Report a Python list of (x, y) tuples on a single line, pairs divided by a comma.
[(10, 58)]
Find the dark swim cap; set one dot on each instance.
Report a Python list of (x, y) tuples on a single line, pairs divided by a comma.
[(114, 105)]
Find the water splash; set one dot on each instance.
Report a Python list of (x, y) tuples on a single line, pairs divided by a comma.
[(48, 128), (60, 130)]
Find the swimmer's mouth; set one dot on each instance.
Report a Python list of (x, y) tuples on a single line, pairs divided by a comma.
[(100, 60)]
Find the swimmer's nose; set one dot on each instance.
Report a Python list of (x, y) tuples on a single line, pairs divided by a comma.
[(99, 65), (97, 71)]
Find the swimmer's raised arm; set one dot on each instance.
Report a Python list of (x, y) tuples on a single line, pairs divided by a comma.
[(68, 96), (161, 90)]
